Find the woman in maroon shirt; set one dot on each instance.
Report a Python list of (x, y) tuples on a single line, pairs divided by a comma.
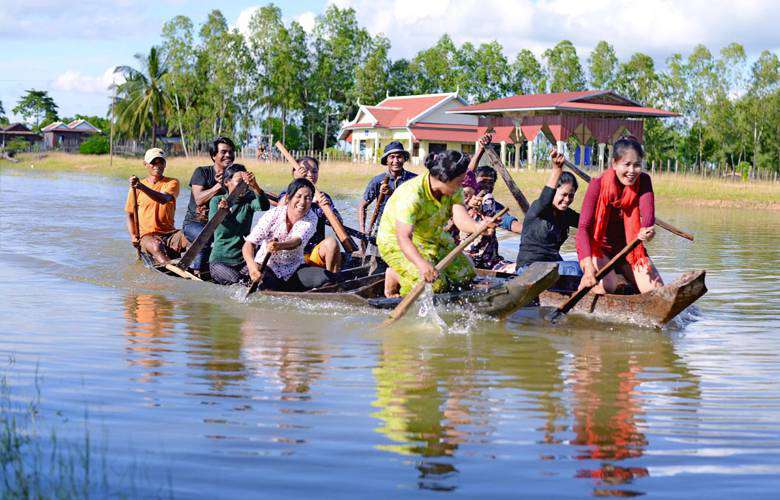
[(618, 207)]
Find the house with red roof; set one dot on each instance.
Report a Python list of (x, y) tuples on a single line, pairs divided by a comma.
[(68, 137), (589, 117), (422, 123)]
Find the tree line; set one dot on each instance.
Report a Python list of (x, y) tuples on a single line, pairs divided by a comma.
[(213, 80)]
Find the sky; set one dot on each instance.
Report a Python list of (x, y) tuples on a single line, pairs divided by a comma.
[(70, 48)]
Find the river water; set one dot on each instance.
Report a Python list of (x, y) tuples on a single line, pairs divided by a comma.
[(189, 392)]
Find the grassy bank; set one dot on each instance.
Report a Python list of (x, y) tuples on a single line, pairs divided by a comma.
[(348, 179)]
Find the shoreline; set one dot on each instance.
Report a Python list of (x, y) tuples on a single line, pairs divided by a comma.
[(348, 179)]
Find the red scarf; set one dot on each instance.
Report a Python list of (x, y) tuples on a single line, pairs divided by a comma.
[(627, 201)]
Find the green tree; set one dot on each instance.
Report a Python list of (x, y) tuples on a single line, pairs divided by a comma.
[(339, 46), (528, 75), (485, 72), (400, 78), (564, 68), (602, 64), (371, 79), (436, 68), (3, 118), (637, 80), (143, 104), (764, 81), (182, 81), (37, 108)]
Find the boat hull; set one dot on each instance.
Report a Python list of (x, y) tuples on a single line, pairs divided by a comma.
[(654, 309)]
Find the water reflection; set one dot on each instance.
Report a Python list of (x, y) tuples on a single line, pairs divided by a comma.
[(588, 392), (149, 324), (611, 376)]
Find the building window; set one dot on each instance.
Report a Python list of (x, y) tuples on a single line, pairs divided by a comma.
[(468, 149), (416, 149), (437, 147)]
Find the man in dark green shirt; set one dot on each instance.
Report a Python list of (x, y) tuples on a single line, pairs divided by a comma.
[(226, 263)]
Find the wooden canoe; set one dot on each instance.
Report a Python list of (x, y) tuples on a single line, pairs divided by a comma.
[(653, 309), (490, 295)]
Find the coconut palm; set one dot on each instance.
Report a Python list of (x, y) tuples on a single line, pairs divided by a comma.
[(142, 101)]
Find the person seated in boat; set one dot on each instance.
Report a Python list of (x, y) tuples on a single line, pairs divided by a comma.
[(411, 236), (205, 184), (618, 207), (546, 225), (156, 206), (226, 262), (484, 251), (284, 231), (320, 251), (394, 157)]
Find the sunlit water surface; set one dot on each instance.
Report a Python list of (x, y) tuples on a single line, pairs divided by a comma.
[(210, 397)]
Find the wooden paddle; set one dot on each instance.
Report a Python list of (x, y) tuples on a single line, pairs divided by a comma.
[(497, 164), (334, 221), (658, 222), (379, 200), (407, 301), (208, 230), (556, 314), (252, 288), (136, 222)]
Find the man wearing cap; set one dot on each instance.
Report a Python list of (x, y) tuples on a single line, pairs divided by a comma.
[(156, 198), (394, 158)]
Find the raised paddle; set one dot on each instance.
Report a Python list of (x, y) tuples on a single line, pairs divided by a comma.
[(334, 221), (556, 314), (208, 230), (136, 222), (379, 200), (407, 301), (252, 288), (658, 222), (497, 164)]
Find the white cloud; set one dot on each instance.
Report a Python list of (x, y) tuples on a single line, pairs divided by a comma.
[(242, 22), (75, 81), (307, 20), (656, 27)]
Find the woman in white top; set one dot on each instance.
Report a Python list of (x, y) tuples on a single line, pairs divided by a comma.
[(284, 232)]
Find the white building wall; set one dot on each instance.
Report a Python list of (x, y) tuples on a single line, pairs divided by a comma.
[(439, 115)]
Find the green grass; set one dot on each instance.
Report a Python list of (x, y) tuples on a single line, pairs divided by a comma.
[(349, 179), (35, 463)]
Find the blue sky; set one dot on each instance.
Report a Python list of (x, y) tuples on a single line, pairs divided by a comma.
[(69, 47)]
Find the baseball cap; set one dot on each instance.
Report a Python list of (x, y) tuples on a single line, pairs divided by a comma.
[(153, 153)]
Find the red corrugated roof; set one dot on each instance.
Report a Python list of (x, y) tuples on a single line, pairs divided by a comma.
[(586, 100), (626, 110), (444, 132), (411, 107)]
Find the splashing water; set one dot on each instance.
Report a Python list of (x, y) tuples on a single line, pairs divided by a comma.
[(428, 309)]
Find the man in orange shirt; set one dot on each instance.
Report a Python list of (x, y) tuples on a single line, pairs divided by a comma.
[(156, 196)]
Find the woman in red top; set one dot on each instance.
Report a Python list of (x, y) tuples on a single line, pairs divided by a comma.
[(618, 207)]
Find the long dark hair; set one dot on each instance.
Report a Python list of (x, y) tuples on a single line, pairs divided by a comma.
[(624, 144), (447, 165)]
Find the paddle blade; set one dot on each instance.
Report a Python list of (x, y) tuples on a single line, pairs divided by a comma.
[(555, 316)]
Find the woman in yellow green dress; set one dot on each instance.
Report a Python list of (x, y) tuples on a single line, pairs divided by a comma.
[(411, 236)]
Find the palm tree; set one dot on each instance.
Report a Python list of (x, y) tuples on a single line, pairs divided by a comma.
[(143, 102)]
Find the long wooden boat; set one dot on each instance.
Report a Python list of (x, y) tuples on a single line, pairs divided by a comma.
[(654, 309), (496, 296)]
